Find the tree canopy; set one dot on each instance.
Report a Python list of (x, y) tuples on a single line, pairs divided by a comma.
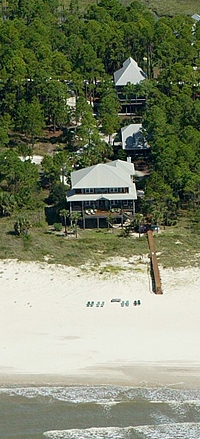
[(50, 53)]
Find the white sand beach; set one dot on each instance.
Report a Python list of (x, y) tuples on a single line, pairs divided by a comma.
[(49, 335)]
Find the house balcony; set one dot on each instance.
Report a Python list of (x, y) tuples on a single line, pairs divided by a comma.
[(91, 211), (95, 209), (117, 213), (96, 218)]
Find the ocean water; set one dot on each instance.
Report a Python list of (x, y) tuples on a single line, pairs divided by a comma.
[(101, 412)]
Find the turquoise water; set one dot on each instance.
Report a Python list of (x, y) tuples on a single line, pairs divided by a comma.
[(102, 412)]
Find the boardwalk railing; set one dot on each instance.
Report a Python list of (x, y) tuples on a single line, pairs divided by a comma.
[(157, 285)]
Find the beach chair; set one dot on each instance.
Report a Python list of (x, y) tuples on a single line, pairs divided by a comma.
[(127, 303), (92, 303), (98, 304), (139, 302), (135, 302), (102, 304), (122, 303), (88, 304)]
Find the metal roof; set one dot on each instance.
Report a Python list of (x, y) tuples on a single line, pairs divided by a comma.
[(112, 174), (130, 72), (115, 174), (132, 136), (96, 197), (126, 166), (196, 17)]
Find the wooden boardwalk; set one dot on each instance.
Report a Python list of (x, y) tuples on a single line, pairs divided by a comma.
[(157, 285)]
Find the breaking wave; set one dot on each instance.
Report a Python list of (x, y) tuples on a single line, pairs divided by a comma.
[(107, 394), (166, 431)]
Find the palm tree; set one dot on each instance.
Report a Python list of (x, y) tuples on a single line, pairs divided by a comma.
[(22, 226), (74, 217), (156, 217), (110, 219), (137, 221), (7, 203), (64, 213)]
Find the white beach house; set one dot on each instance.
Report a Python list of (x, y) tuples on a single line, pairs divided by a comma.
[(105, 187), (130, 74)]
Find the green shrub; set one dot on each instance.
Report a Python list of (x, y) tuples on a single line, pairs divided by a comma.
[(57, 227)]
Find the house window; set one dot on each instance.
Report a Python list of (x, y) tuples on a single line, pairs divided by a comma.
[(89, 190), (114, 189), (101, 190)]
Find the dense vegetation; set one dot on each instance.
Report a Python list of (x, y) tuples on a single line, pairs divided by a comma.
[(50, 53)]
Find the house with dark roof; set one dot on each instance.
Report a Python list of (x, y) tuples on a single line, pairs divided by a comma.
[(103, 188)]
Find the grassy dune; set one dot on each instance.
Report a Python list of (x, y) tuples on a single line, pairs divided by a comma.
[(176, 246), (173, 7), (168, 7)]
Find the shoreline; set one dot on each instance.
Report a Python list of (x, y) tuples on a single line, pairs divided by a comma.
[(177, 377), (50, 337)]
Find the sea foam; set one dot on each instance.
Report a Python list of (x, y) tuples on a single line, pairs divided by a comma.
[(107, 394), (170, 431), (166, 431), (91, 433)]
